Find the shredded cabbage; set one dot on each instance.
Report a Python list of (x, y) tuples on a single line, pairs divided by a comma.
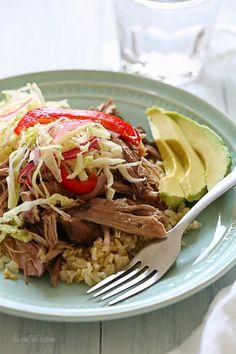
[(53, 200), (110, 180), (13, 186), (37, 190), (109, 147), (99, 131), (43, 146), (13, 231), (13, 107), (80, 166), (47, 143), (124, 172), (48, 157)]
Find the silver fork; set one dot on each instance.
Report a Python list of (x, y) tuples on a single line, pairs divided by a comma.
[(153, 261)]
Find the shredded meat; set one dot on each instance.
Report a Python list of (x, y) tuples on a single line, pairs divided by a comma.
[(50, 229), (79, 231), (119, 215), (153, 198), (149, 196), (135, 210), (54, 252), (25, 254), (152, 152), (4, 172), (152, 173), (54, 187), (32, 216), (131, 154), (3, 200), (4, 163), (151, 193), (55, 270), (108, 107), (123, 188), (39, 239)]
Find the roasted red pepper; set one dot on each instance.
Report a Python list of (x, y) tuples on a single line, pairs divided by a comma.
[(76, 186), (111, 122)]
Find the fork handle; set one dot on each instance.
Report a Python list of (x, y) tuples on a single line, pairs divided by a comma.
[(220, 188)]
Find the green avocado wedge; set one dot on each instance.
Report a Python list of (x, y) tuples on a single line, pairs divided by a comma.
[(208, 145), (192, 183), (170, 189)]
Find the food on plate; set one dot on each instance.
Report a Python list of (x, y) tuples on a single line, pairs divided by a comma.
[(82, 190), (208, 145), (170, 184), (164, 128), (204, 158)]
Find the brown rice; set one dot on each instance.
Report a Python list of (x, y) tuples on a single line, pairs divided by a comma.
[(94, 264), (100, 260)]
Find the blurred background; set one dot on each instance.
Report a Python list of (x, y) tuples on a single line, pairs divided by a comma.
[(79, 34)]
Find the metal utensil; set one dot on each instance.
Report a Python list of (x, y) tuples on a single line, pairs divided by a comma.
[(153, 261)]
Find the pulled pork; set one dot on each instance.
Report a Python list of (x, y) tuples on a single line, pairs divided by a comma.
[(32, 216), (135, 210), (108, 107), (131, 154), (25, 254), (55, 270), (50, 229), (135, 219)]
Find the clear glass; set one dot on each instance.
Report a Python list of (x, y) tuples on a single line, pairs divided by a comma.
[(164, 39)]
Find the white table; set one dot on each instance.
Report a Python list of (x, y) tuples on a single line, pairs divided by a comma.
[(59, 34)]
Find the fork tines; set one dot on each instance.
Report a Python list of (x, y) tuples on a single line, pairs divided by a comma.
[(129, 282)]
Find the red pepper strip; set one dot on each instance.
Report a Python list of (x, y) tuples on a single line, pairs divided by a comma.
[(111, 122), (76, 186)]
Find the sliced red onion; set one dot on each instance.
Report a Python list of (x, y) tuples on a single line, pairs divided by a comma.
[(29, 175), (101, 181), (93, 143), (26, 172), (71, 154), (55, 130), (16, 110), (65, 127)]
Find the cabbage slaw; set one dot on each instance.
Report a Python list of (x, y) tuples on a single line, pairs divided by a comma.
[(46, 146)]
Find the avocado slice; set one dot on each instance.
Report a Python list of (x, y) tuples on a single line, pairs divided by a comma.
[(208, 145), (193, 182), (170, 189)]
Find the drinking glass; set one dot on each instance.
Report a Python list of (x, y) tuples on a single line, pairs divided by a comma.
[(164, 39)]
